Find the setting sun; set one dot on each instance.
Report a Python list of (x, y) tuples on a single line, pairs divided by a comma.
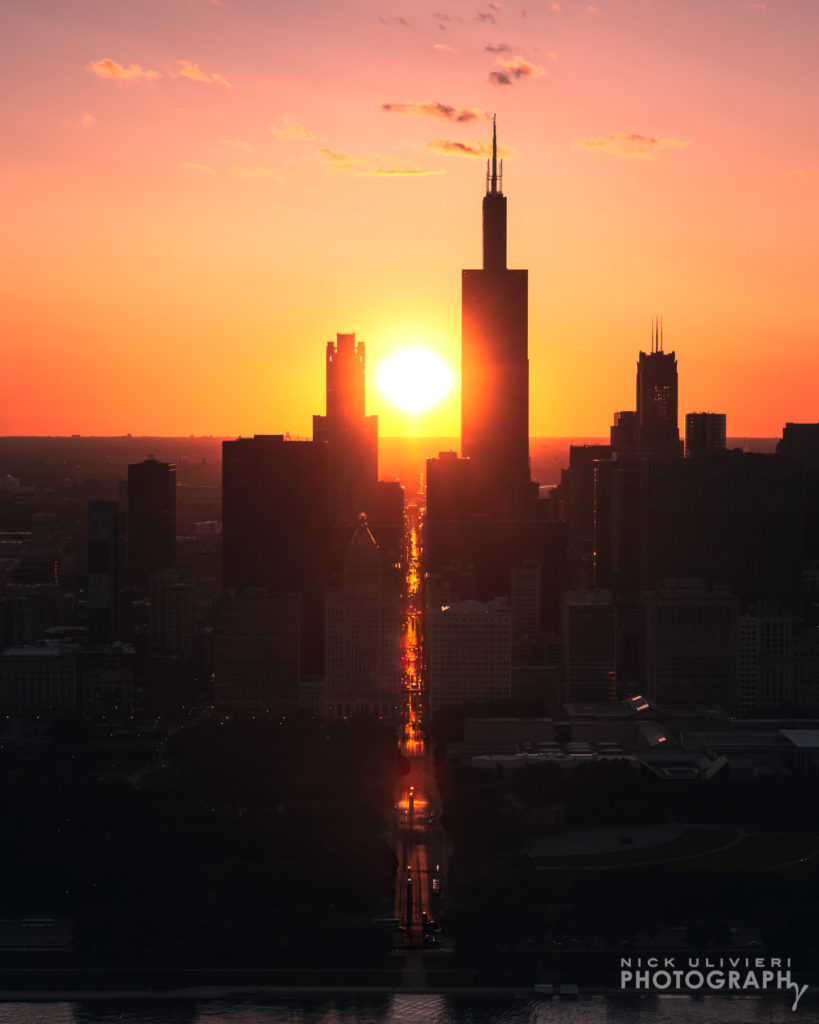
[(414, 379)]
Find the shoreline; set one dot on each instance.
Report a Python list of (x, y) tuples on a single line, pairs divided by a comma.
[(215, 992)]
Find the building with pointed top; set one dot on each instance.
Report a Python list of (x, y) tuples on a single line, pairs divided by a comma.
[(363, 628), (495, 360)]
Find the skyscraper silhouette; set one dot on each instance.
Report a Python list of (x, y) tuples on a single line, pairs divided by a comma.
[(704, 432), (351, 436), (151, 520), (658, 431), (494, 359)]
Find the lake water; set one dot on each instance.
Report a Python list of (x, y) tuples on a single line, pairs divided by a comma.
[(416, 1009)]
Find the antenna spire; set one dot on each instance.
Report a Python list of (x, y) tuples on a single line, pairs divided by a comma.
[(494, 184)]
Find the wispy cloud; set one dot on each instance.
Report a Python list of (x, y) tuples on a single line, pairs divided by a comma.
[(450, 147), (630, 144), (374, 167), (508, 71), (107, 68), (236, 144), (200, 168), (443, 20), (486, 16), (398, 21), (291, 130), (553, 6), (498, 48), (444, 47), (88, 121), (337, 161), (194, 73), (433, 108)]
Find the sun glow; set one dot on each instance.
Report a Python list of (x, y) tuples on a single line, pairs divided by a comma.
[(414, 379)]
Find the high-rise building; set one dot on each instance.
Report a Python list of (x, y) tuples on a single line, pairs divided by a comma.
[(363, 629), (800, 441), (275, 526), (274, 510), (704, 432), (151, 520), (256, 652), (766, 667), (623, 432), (469, 653), (657, 427), (577, 485), (171, 625), (351, 436), (589, 638), (733, 518), (689, 644), (494, 360)]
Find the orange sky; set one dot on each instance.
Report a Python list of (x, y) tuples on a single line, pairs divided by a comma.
[(198, 194)]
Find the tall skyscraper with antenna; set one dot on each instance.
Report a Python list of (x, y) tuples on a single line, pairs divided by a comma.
[(495, 360), (657, 426)]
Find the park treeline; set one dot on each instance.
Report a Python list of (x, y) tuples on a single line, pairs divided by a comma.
[(249, 842), (503, 895)]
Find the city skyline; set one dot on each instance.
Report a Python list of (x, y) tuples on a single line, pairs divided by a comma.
[(206, 192)]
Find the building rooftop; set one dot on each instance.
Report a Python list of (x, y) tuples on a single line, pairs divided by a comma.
[(805, 739)]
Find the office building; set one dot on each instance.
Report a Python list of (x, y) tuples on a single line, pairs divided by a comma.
[(657, 426), (469, 653), (275, 530), (363, 630), (151, 520), (689, 644), (734, 518), (495, 362), (589, 645), (256, 656), (172, 608), (351, 436), (704, 432)]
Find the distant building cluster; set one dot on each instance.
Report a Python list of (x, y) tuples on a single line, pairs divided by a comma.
[(273, 574)]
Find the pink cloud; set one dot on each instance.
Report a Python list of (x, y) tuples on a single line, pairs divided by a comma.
[(194, 73), (514, 68), (434, 108), (292, 130), (107, 68), (450, 147), (630, 144)]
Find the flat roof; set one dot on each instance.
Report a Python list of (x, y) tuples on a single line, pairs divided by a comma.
[(805, 739)]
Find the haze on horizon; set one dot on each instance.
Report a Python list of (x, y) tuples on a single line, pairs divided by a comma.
[(201, 193)]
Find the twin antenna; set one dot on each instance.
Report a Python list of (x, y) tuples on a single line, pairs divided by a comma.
[(494, 180), (656, 334)]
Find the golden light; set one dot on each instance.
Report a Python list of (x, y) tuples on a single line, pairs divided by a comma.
[(414, 379)]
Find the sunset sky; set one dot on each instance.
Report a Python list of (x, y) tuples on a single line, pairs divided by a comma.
[(198, 194)]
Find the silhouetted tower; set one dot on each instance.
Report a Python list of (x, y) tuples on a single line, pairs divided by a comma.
[(151, 520), (494, 359), (704, 432), (352, 436), (658, 432)]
